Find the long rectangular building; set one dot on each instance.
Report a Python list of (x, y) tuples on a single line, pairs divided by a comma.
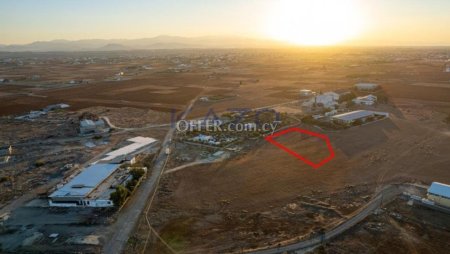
[(127, 153), (361, 115), (76, 191), (93, 185)]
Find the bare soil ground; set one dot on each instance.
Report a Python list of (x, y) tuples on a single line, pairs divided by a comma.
[(398, 229), (203, 209), (261, 195)]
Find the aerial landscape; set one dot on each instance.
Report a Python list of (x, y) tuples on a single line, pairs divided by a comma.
[(189, 127)]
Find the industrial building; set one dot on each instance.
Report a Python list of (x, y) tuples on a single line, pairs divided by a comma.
[(358, 115), (128, 153), (76, 192), (93, 185), (439, 193)]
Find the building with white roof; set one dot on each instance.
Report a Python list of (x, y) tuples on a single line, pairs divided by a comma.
[(93, 185), (366, 86), (306, 93), (128, 153), (361, 115), (326, 100), (439, 193), (89, 126), (365, 100)]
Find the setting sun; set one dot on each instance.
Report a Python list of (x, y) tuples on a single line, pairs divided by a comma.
[(319, 22)]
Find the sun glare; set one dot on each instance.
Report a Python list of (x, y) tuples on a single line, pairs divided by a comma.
[(314, 22)]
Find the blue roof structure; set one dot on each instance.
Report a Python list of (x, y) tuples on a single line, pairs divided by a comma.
[(85, 182), (439, 189)]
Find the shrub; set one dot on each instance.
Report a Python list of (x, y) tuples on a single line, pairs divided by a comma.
[(119, 196), (131, 184), (39, 163), (137, 173)]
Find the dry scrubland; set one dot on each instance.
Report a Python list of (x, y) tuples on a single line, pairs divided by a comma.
[(261, 195)]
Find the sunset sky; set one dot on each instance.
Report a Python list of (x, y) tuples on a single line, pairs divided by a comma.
[(303, 22)]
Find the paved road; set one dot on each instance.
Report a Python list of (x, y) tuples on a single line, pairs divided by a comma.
[(129, 215), (386, 195)]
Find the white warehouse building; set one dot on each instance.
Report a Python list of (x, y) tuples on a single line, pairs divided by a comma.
[(361, 115), (93, 185)]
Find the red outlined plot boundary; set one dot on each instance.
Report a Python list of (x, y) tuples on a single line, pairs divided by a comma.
[(325, 138)]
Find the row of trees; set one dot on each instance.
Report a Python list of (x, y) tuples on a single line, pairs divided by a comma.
[(120, 195)]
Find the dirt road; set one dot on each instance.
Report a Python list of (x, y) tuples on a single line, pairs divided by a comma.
[(130, 213), (385, 196)]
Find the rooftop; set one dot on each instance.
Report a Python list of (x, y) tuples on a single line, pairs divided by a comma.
[(367, 84), (354, 115), (137, 143), (440, 189), (85, 182)]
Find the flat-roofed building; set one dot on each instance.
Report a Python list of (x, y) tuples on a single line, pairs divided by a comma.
[(94, 184), (439, 193), (77, 190), (89, 126), (129, 152), (365, 100), (358, 115), (306, 93), (366, 86)]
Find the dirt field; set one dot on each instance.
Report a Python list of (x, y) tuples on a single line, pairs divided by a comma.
[(216, 201), (397, 229), (261, 195)]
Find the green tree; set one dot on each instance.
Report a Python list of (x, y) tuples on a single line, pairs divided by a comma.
[(131, 184), (137, 173), (39, 163), (119, 196)]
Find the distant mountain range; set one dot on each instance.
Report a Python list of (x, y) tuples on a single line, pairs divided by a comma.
[(159, 42)]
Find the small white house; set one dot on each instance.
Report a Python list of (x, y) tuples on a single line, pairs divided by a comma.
[(365, 100), (326, 100), (90, 126), (203, 138), (366, 86), (306, 93)]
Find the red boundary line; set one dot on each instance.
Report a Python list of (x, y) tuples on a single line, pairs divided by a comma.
[(270, 139)]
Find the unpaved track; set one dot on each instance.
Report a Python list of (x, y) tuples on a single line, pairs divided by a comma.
[(130, 213), (386, 195)]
